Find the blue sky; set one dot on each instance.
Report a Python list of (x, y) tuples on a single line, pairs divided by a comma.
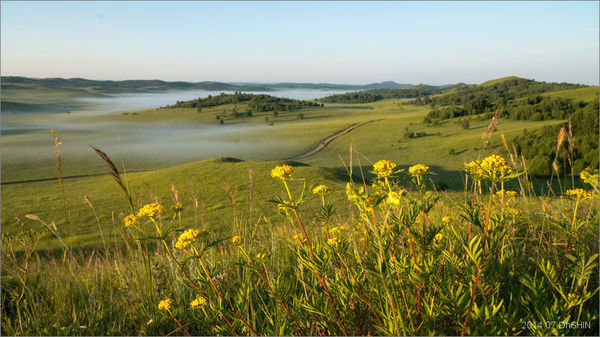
[(335, 42)]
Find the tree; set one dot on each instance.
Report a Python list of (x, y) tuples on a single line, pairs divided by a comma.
[(465, 124)]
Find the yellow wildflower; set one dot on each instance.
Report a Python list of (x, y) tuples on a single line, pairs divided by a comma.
[(199, 302), (333, 243), (384, 168), (514, 211), (130, 220), (446, 220), (378, 184), (321, 189), (283, 207), (579, 193), (418, 170), (393, 198), (474, 169), (282, 172), (495, 167), (297, 238), (177, 208), (261, 256), (437, 239), (187, 238), (165, 304), (236, 240), (572, 299), (506, 193), (591, 179), (151, 210), (337, 230)]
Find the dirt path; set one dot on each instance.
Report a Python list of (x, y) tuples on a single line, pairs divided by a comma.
[(328, 140)]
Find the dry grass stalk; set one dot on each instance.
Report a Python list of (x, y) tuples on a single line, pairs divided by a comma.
[(114, 172)]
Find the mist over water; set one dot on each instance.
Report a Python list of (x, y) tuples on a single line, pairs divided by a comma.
[(27, 143)]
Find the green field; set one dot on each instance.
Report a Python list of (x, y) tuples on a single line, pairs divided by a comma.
[(391, 253)]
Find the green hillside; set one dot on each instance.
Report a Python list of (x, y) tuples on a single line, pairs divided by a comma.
[(499, 80)]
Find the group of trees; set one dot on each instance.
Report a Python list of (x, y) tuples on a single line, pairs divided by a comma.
[(256, 103), (374, 95), (540, 146), (486, 98)]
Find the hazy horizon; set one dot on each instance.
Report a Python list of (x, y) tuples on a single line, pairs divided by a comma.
[(303, 42)]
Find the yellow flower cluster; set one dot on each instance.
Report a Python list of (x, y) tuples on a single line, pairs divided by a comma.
[(352, 193), (177, 208), (236, 240), (572, 299), (514, 211), (393, 198), (333, 242), (384, 168), (187, 238), (261, 256), (130, 220), (474, 169), (282, 172), (437, 239), (165, 304), (297, 238), (151, 210), (591, 179), (446, 220), (506, 193), (283, 207), (337, 230), (495, 165), (199, 302), (579, 193), (321, 189), (418, 170)]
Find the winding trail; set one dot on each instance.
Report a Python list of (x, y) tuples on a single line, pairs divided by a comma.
[(322, 144)]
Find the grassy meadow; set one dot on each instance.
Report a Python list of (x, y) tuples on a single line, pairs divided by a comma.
[(377, 234)]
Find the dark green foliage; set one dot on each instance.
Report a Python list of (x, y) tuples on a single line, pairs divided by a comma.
[(544, 108), (541, 145), (473, 100), (260, 103), (465, 124), (447, 112), (379, 94)]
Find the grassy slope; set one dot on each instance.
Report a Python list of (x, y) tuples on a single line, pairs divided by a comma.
[(582, 94), (203, 180), (499, 80)]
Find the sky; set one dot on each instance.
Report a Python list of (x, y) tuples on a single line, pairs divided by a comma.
[(332, 42)]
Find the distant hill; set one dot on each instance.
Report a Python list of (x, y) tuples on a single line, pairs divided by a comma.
[(129, 86), (379, 85), (133, 86)]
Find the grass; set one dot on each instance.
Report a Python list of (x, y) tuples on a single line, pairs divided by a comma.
[(582, 94), (419, 264)]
